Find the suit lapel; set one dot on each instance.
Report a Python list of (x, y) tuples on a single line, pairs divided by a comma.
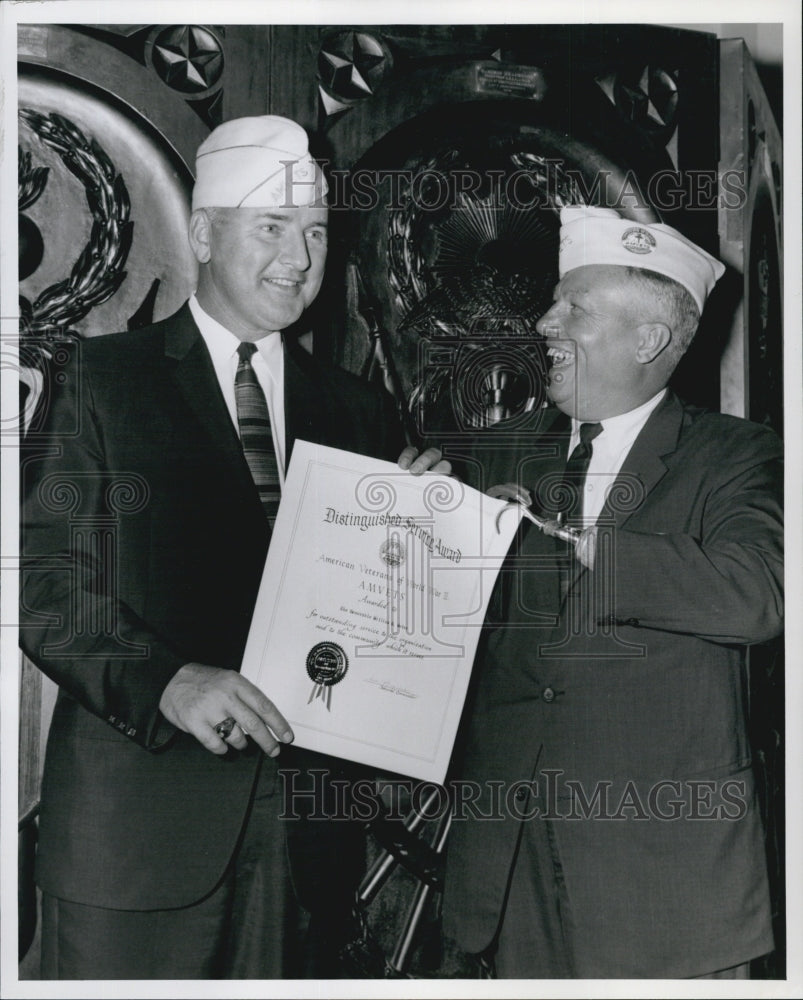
[(310, 412), (197, 384), (539, 467), (643, 468), (536, 467), (549, 465)]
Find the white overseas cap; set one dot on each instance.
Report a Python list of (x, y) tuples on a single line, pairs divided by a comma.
[(591, 235), (260, 162)]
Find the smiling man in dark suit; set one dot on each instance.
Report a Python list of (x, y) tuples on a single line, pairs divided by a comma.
[(147, 520), (612, 828)]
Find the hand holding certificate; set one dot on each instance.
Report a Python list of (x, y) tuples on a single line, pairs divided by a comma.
[(369, 613)]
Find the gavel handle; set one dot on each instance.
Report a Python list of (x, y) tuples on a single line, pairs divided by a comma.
[(547, 525)]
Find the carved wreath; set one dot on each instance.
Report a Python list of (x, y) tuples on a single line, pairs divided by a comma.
[(431, 306), (98, 272), (408, 274)]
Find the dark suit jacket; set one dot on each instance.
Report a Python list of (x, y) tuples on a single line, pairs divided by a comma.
[(637, 677), (143, 545)]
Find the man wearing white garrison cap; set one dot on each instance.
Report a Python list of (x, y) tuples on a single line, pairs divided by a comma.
[(163, 853), (611, 710)]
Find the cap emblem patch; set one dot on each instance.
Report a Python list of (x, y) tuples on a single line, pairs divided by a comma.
[(638, 240)]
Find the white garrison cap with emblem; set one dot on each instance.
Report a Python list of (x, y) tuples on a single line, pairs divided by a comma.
[(590, 235), (259, 162)]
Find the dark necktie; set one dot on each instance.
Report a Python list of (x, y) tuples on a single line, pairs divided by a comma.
[(253, 420), (574, 477)]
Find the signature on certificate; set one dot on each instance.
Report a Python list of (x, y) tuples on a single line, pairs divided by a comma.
[(390, 688)]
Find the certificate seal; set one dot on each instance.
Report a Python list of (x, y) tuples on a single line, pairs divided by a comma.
[(392, 552), (327, 664)]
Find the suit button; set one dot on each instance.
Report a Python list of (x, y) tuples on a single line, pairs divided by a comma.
[(548, 695), (521, 794), (632, 621)]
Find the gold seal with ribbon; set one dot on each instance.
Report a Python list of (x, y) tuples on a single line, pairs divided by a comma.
[(327, 664)]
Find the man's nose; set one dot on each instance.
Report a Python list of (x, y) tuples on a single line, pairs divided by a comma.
[(294, 252), (548, 321)]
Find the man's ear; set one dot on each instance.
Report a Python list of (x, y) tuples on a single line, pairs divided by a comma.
[(200, 235), (652, 339)]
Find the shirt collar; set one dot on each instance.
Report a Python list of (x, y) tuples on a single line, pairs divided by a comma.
[(222, 343), (624, 423)]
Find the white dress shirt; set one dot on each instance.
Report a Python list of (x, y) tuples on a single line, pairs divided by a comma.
[(609, 449), (267, 362)]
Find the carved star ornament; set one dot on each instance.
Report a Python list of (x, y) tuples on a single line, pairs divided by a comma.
[(188, 58)]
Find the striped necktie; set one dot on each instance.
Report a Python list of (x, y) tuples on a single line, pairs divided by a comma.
[(253, 420)]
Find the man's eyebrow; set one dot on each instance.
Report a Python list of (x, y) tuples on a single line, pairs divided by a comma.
[(284, 216)]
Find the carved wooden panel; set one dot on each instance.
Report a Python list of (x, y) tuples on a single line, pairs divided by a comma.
[(431, 101)]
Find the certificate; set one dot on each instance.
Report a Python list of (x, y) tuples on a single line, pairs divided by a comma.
[(370, 608)]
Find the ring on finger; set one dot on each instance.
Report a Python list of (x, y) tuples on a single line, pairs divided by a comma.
[(225, 728)]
